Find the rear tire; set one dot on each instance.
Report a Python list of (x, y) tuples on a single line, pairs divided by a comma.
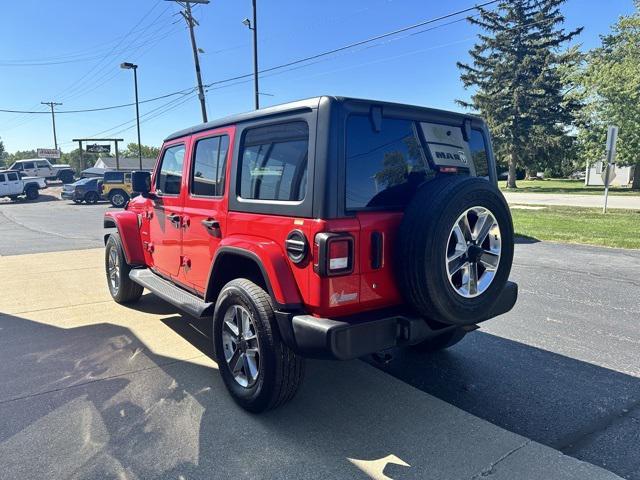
[(440, 342), (118, 198), (91, 197), (258, 369), (32, 193), (122, 288)]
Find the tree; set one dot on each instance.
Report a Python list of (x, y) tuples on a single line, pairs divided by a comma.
[(3, 154), (147, 151), (21, 155), (78, 164), (516, 71), (611, 91)]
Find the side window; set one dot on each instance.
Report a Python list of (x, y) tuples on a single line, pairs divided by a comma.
[(273, 165), (42, 164), (478, 149), (28, 165), (169, 175), (17, 166), (12, 177), (207, 175), (2, 179)]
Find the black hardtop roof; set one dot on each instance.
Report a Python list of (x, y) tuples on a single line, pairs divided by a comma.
[(309, 103)]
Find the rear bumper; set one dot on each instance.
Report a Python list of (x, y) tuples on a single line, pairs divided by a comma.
[(346, 339)]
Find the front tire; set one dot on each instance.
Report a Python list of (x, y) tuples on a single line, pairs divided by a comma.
[(258, 369), (122, 288)]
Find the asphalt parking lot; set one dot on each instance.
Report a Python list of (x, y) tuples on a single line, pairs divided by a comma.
[(549, 390)]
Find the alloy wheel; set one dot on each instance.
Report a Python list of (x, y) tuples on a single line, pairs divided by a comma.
[(473, 252), (113, 269), (240, 345)]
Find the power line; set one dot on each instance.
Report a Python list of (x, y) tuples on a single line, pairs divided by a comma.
[(100, 109)]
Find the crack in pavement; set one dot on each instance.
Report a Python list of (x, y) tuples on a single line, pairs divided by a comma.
[(573, 443), (45, 232), (490, 470)]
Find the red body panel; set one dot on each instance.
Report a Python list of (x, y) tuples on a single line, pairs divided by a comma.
[(187, 253)]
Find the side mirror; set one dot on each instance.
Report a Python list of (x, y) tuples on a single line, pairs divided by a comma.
[(141, 183)]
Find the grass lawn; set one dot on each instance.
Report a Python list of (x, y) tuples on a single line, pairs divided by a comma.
[(617, 228), (562, 185)]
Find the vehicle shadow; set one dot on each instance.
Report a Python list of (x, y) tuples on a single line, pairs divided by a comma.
[(96, 402), (42, 198), (584, 410), (518, 238)]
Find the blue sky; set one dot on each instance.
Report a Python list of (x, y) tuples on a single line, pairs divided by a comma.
[(80, 44)]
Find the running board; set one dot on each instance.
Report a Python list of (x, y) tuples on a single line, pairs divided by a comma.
[(171, 293)]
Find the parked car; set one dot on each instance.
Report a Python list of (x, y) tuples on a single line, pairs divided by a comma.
[(12, 185), (116, 187), (324, 228), (85, 189), (42, 168)]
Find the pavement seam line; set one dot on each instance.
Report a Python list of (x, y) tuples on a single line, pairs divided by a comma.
[(90, 382), (56, 308), (490, 470)]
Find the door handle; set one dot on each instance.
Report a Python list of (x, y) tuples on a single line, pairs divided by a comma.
[(175, 219), (213, 226)]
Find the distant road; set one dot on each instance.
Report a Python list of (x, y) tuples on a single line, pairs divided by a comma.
[(615, 201)]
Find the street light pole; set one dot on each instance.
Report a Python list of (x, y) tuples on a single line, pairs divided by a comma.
[(255, 56), (254, 27), (53, 120), (134, 67)]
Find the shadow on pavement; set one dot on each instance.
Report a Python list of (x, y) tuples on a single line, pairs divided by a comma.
[(95, 402), (581, 409)]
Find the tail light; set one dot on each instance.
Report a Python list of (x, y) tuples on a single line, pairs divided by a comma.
[(333, 254)]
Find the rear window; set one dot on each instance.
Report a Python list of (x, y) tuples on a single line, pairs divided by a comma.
[(383, 169), (478, 147), (273, 165)]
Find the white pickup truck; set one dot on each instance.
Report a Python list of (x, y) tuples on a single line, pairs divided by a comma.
[(12, 185), (41, 167)]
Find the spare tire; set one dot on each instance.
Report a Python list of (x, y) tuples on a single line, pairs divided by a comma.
[(455, 249)]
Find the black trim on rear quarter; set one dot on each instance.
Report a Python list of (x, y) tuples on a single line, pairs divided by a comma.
[(252, 256)]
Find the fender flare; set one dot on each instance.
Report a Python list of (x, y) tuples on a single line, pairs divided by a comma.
[(269, 259), (126, 222)]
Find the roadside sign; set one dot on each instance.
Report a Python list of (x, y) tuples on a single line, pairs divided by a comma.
[(609, 173), (96, 148), (612, 173), (48, 153)]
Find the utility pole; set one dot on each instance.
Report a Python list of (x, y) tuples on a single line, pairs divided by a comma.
[(190, 23), (53, 119)]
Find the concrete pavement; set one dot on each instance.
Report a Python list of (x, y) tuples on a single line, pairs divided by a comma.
[(631, 202), (91, 389)]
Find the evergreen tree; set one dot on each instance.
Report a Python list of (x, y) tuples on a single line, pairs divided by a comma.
[(518, 80)]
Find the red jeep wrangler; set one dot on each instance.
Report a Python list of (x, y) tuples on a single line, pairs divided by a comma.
[(324, 228)]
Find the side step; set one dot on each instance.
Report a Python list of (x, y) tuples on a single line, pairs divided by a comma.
[(171, 293)]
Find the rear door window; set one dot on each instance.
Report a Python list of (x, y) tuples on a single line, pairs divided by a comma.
[(273, 165), (169, 177), (28, 165), (207, 176), (12, 177), (383, 168)]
